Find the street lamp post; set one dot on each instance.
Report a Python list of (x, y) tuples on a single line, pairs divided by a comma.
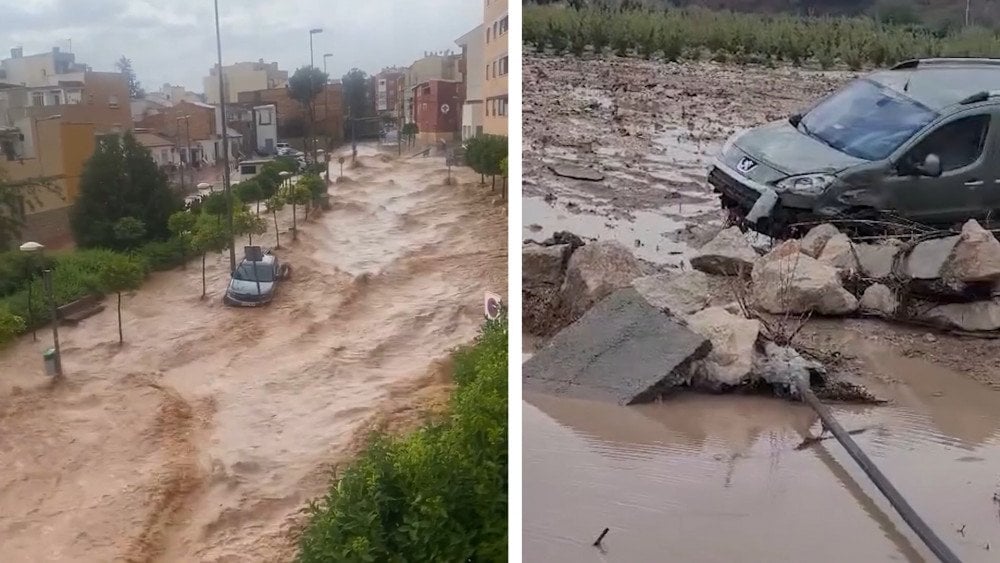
[(312, 106), (225, 145), (326, 107), (187, 148), (33, 248)]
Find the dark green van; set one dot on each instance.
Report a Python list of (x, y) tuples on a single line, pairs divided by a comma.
[(917, 142)]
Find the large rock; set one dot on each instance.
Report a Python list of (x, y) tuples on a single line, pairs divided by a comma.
[(975, 257), (681, 293), (728, 254), (593, 272), (543, 269), (880, 300), (543, 265), (928, 258), (816, 239), (791, 282), (623, 350), (733, 339), (974, 316), (877, 260), (839, 253)]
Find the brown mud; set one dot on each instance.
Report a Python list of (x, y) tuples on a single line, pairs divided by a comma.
[(204, 436), (724, 478)]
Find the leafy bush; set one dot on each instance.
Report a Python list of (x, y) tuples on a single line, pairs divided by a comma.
[(11, 325), (439, 494), (17, 267), (164, 255)]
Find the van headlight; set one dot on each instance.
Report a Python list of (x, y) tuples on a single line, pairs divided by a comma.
[(806, 184)]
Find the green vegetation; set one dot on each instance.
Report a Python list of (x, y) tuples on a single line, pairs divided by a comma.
[(122, 273), (693, 33), (438, 494), (485, 154)]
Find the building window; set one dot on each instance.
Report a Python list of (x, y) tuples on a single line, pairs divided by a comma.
[(503, 26), (56, 97), (113, 101), (502, 102), (494, 69), (503, 65), (264, 118), (37, 99), (495, 26), (487, 36), (487, 71)]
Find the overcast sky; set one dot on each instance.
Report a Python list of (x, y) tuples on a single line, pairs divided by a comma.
[(174, 40)]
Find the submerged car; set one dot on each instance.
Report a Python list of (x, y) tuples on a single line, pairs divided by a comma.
[(254, 281), (915, 142)]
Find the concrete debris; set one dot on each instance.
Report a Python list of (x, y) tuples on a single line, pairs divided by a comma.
[(594, 271), (543, 265), (816, 239), (975, 256), (928, 258), (878, 299), (623, 350), (728, 254), (877, 260), (576, 172), (682, 293), (733, 339), (839, 253), (564, 237), (785, 281)]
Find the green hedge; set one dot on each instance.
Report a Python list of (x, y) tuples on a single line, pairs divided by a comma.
[(738, 37), (438, 494)]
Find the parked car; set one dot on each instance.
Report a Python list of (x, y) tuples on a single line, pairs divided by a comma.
[(253, 283), (915, 141), (285, 149)]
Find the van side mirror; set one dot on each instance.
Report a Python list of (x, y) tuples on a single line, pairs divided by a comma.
[(795, 119), (931, 166)]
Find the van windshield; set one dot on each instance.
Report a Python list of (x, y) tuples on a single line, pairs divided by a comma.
[(254, 271), (866, 120)]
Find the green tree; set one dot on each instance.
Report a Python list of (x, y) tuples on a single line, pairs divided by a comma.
[(296, 194), (129, 232), (246, 223), (11, 325), (315, 185), (121, 180), (16, 199), (357, 96), (249, 191), (209, 236), (275, 204), (485, 155), (118, 274), (304, 86), (181, 225), (135, 90)]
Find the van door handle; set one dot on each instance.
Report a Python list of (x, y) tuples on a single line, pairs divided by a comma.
[(974, 183)]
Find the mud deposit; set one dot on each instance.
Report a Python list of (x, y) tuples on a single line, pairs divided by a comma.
[(652, 130), (726, 478), (206, 434)]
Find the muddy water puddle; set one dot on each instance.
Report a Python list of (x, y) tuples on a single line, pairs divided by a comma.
[(722, 478)]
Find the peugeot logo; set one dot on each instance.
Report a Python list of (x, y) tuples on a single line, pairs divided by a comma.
[(746, 165)]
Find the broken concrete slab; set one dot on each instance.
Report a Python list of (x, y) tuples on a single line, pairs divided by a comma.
[(576, 172), (728, 254), (928, 258), (681, 293), (623, 350), (974, 316), (593, 272), (785, 281), (880, 300), (975, 257), (543, 264), (815, 240), (733, 338), (839, 253), (877, 260)]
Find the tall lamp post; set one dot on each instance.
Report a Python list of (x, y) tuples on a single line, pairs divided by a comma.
[(312, 113), (34, 248), (225, 146), (326, 108), (187, 148)]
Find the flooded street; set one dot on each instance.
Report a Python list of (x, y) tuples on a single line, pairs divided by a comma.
[(204, 436), (727, 478)]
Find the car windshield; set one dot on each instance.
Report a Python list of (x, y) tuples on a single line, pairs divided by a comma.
[(866, 120), (254, 271)]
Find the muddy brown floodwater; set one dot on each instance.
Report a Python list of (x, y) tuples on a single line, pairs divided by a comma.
[(722, 478), (206, 434)]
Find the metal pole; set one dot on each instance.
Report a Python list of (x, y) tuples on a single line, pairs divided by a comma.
[(225, 146), (31, 313), (47, 281), (923, 531)]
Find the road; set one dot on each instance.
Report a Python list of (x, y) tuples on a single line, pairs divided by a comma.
[(204, 436)]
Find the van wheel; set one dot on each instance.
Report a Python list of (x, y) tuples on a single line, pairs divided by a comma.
[(286, 271)]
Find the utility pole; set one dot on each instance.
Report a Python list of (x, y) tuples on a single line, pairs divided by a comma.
[(326, 112), (225, 147), (968, 10), (312, 104)]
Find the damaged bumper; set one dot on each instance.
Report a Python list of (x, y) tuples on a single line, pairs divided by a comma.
[(759, 205)]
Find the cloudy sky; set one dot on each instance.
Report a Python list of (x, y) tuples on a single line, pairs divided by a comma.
[(174, 41)]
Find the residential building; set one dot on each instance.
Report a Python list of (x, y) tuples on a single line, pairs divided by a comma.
[(243, 77), (291, 116), (176, 94), (496, 22), (437, 106), (258, 125), (61, 150), (473, 75), (195, 129), (433, 66), (44, 69), (163, 150), (386, 98)]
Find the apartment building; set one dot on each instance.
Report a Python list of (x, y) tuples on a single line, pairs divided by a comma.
[(243, 77), (432, 66), (496, 24), (386, 94), (292, 117), (474, 76), (437, 105)]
